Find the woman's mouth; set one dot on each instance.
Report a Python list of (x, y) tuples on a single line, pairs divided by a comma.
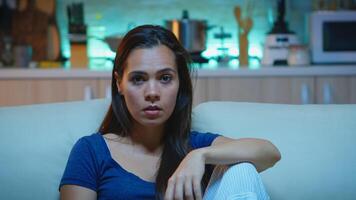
[(152, 111)]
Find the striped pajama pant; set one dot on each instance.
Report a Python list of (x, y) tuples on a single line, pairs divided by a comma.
[(237, 182)]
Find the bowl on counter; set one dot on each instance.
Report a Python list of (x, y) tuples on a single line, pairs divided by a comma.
[(113, 41)]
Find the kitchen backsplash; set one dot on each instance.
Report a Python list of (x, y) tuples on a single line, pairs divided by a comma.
[(107, 17)]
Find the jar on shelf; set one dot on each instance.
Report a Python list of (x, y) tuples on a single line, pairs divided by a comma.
[(7, 56), (298, 55)]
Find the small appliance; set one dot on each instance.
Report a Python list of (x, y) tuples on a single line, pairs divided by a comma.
[(333, 37), (278, 40)]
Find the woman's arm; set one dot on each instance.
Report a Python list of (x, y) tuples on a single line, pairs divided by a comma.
[(262, 153), (185, 181), (74, 192)]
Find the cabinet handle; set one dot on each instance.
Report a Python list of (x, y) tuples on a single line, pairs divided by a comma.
[(88, 93), (305, 94), (108, 92), (327, 93)]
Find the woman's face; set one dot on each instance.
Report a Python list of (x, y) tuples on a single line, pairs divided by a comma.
[(150, 85)]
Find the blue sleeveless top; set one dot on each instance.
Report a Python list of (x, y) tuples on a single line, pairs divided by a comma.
[(90, 165)]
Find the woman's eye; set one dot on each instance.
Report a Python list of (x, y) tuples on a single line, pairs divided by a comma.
[(136, 80), (166, 78)]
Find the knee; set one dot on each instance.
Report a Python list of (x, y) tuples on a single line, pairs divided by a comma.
[(242, 168), (242, 179)]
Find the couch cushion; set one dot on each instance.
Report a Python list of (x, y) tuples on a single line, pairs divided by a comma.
[(35, 144), (317, 143)]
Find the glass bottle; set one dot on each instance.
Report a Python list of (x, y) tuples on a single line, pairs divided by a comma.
[(7, 57)]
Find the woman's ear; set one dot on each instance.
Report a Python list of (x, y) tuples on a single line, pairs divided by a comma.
[(117, 78)]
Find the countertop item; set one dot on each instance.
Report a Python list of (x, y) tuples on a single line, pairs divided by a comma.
[(190, 32), (114, 41), (32, 30), (298, 55)]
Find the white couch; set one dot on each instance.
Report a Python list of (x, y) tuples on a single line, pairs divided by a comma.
[(317, 143)]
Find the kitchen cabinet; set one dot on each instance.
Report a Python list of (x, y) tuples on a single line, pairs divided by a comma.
[(200, 91), (22, 92), (289, 90), (292, 90), (301, 85), (335, 90), (104, 88), (234, 89), (15, 92)]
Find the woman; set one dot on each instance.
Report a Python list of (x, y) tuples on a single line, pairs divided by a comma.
[(145, 148)]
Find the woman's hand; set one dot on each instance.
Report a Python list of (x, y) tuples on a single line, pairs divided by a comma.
[(185, 181)]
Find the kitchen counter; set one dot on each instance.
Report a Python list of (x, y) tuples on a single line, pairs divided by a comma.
[(292, 85), (320, 70)]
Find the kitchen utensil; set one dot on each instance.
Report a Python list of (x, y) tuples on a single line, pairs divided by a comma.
[(190, 32), (6, 15), (113, 41), (7, 57), (245, 25), (75, 13), (77, 35), (222, 35)]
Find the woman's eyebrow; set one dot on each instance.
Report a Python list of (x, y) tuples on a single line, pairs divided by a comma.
[(168, 69), (142, 73)]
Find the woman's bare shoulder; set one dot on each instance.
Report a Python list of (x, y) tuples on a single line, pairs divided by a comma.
[(111, 136)]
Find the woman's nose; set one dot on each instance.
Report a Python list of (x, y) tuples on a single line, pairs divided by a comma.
[(152, 92)]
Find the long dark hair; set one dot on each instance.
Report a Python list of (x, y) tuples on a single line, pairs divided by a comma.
[(118, 120)]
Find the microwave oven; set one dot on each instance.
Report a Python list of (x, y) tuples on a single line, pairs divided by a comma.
[(333, 37)]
